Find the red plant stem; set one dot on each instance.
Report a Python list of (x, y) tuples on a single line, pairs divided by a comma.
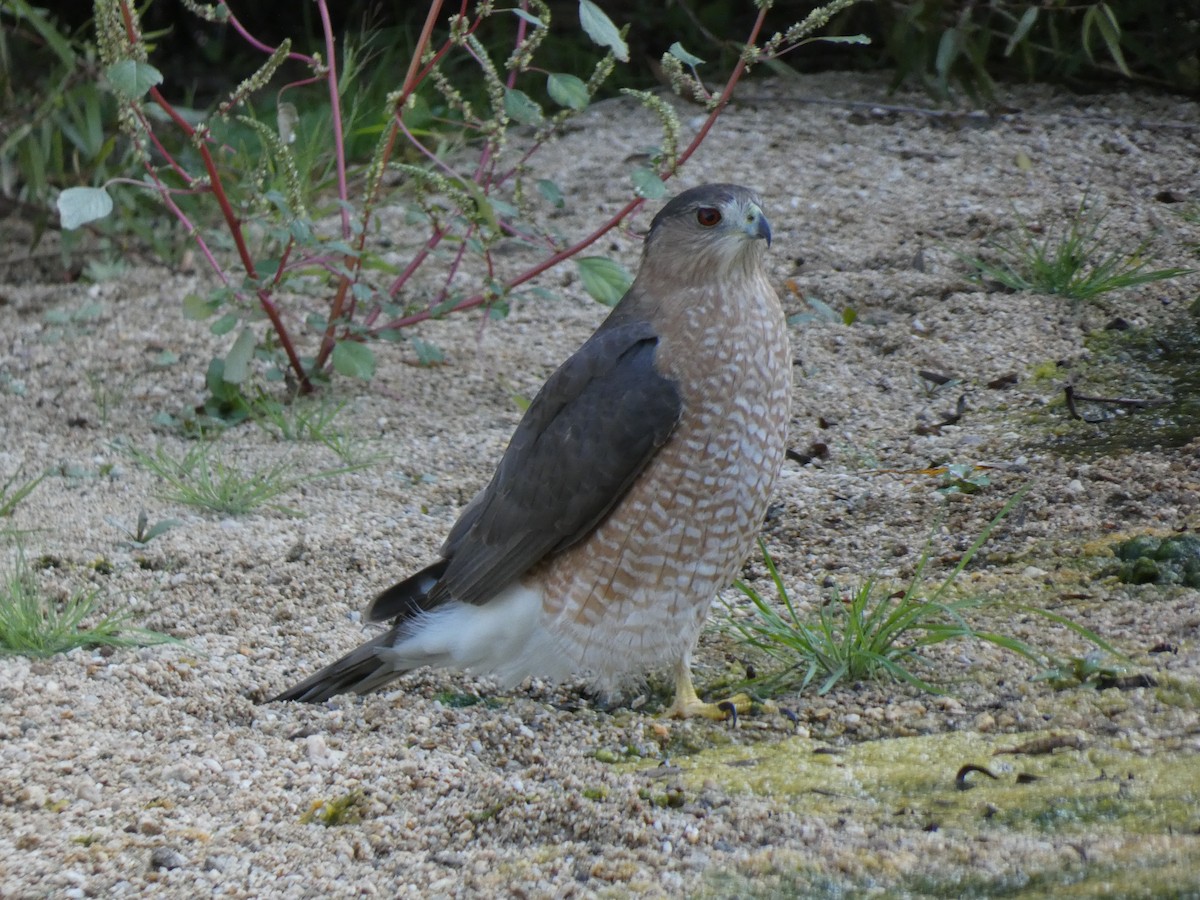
[(427, 153), (338, 307), (453, 270), (164, 194), (411, 81), (171, 161), (231, 219), (726, 95), (625, 211), (335, 111), (415, 263), (512, 76), (412, 78), (256, 43), (548, 263), (283, 261)]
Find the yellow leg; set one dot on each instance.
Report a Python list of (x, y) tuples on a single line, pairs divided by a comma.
[(687, 704)]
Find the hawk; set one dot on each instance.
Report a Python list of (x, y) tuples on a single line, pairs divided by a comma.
[(631, 491)]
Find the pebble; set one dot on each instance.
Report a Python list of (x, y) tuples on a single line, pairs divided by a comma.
[(166, 858)]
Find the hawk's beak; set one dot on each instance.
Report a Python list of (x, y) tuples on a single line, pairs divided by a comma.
[(757, 225)]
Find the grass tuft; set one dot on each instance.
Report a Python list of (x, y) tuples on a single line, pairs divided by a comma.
[(312, 421), (32, 624), (10, 497), (202, 480), (878, 633), (1078, 263)]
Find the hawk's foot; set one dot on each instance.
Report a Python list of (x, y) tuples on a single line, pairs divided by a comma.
[(687, 705)]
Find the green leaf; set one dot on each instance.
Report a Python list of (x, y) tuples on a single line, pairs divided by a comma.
[(214, 377), (844, 39), (1110, 30), (159, 528), (428, 354), (604, 279), (42, 24), (600, 28), (551, 192), (80, 205), (677, 51), (198, 308), (132, 79), (567, 90), (522, 108), (528, 17), (225, 324), (542, 294), (647, 184), (948, 49), (1023, 25), (353, 359), (237, 360)]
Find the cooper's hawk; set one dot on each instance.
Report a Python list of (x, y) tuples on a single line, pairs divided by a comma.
[(632, 489)]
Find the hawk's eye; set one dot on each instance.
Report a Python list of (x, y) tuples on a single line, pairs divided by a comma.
[(707, 216)]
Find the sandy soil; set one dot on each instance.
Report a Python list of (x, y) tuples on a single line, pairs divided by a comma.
[(155, 770)]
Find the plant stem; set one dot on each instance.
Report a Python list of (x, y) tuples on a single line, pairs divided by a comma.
[(628, 209), (726, 95), (335, 112), (231, 220), (412, 78)]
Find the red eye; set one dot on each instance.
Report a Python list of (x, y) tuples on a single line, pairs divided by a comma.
[(707, 216)]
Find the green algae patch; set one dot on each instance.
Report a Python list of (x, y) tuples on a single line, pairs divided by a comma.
[(1149, 868), (1046, 782), (1150, 559), (1049, 814), (1157, 369)]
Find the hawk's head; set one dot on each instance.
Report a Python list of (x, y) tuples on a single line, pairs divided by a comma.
[(712, 230)]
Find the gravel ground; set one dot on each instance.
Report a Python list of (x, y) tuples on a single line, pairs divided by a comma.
[(155, 771)]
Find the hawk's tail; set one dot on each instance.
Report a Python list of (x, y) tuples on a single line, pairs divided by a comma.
[(362, 670), (365, 669)]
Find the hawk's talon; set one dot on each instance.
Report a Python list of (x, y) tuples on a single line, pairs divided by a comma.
[(687, 705), (730, 708)]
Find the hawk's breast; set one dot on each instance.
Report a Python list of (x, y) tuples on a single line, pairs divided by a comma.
[(636, 592)]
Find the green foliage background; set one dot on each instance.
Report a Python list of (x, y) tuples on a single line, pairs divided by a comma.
[(54, 120)]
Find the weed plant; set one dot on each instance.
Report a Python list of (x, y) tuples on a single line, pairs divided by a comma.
[(143, 532), (879, 633), (200, 478), (295, 238), (1079, 261), (32, 624), (312, 421), (11, 496)]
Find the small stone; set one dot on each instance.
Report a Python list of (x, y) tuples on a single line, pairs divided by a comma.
[(166, 858), (148, 825)]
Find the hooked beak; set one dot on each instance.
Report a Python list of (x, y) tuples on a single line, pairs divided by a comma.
[(757, 225)]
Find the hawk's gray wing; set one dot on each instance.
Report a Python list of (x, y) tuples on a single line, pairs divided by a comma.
[(588, 434), (590, 431)]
